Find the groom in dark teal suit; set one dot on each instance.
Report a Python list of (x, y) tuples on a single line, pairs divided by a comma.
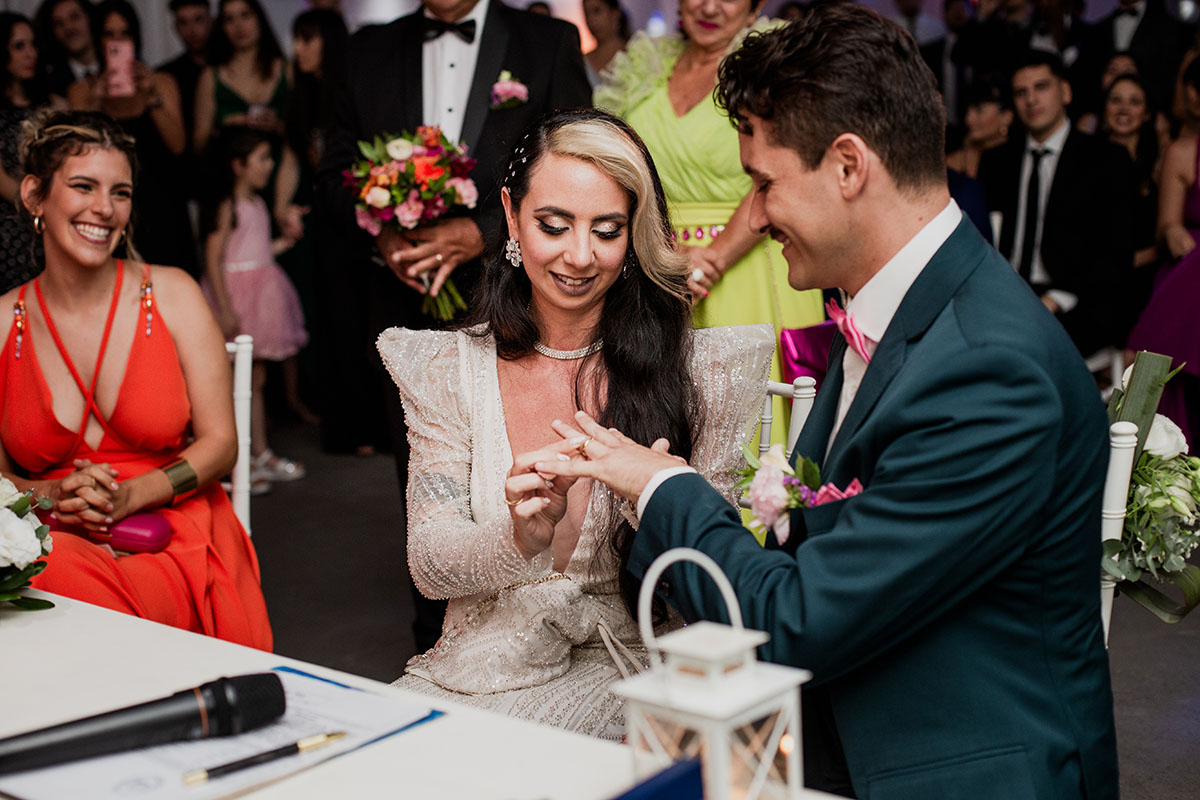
[(950, 612)]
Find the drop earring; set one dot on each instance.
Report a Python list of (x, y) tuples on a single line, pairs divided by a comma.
[(39, 226), (512, 251)]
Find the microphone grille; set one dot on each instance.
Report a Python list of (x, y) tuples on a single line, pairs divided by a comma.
[(260, 699)]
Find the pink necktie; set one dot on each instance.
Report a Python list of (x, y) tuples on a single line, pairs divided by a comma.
[(845, 324)]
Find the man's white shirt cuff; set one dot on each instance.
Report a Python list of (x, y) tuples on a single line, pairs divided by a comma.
[(1066, 301), (655, 481)]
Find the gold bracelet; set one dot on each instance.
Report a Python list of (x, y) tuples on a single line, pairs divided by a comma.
[(182, 477)]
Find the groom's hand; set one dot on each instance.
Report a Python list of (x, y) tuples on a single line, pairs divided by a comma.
[(611, 457)]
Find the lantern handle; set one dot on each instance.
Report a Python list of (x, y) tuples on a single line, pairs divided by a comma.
[(650, 580)]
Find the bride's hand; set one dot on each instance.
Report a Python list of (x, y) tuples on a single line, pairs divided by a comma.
[(536, 501)]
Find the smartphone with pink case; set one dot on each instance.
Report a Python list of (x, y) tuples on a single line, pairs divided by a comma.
[(118, 73)]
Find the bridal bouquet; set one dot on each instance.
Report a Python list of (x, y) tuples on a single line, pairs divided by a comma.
[(410, 180), (1162, 523), (774, 488), (23, 540)]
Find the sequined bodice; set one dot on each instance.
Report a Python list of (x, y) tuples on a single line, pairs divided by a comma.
[(460, 536)]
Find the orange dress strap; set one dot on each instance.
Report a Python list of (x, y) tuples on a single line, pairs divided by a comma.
[(89, 393)]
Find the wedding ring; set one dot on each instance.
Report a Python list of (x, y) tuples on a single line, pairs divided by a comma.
[(583, 447), (697, 275), (512, 503), (439, 258)]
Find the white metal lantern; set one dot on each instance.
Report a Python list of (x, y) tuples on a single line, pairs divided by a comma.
[(714, 700)]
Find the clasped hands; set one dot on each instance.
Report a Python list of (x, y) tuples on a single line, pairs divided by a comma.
[(430, 250), (537, 484), (89, 497)]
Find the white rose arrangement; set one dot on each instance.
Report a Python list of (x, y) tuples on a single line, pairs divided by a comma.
[(23, 541), (1162, 526)]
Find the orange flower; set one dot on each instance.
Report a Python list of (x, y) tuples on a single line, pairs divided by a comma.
[(430, 134), (426, 169)]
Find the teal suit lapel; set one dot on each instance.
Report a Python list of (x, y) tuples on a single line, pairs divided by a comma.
[(924, 300), (811, 443)]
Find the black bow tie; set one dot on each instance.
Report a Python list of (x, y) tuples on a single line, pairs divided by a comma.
[(436, 27)]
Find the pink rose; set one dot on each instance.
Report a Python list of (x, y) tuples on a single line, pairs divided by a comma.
[(408, 213), (464, 190), (768, 496), (367, 222)]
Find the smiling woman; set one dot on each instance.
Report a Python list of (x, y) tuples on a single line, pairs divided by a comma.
[(584, 306), (144, 427)]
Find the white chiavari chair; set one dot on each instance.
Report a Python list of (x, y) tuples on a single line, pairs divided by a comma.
[(1122, 440), (242, 351), (802, 392)]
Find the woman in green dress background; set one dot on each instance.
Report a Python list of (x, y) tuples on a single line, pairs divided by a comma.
[(663, 88)]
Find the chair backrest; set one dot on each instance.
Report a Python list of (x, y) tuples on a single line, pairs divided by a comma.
[(802, 392), (1122, 441), (242, 350)]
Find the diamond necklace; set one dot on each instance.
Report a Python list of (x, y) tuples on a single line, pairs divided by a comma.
[(569, 355)]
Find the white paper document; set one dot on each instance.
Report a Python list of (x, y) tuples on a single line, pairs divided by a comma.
[(314, 706)]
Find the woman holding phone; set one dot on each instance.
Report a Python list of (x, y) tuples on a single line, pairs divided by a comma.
[(146, 105)]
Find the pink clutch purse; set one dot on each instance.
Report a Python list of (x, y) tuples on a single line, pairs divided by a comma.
[(137, 533)]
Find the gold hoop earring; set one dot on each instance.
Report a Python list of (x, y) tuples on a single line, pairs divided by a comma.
[(39, 227)]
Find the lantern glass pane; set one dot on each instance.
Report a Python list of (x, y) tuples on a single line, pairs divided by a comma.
[(759, 763)]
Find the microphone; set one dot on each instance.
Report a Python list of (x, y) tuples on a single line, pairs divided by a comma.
[(222, 707)]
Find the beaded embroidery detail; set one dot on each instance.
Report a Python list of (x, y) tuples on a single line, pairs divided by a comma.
[(147, 295), (19, 316)]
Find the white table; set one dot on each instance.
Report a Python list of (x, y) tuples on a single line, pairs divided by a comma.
[(77, 659)]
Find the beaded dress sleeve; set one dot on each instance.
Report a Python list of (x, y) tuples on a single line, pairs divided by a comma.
[(729, 367), (456, 548)]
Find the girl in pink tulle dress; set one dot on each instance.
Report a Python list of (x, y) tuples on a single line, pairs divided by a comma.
[(248, 291)]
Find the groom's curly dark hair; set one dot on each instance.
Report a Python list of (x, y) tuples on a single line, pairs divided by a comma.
[(841, 68)]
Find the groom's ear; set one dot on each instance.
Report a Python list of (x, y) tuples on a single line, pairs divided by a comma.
[(852, 159)]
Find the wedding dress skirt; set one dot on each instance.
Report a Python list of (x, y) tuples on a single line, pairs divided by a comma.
[(520, 638)]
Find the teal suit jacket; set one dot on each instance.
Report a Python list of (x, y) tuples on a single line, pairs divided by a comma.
[(950, 612)]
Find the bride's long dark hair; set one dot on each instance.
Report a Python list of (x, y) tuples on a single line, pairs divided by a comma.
[(642, 375)]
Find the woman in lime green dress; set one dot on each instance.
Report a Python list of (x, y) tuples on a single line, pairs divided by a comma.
[(663, 88)]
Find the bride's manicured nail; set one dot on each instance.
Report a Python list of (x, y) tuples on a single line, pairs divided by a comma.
[(549, 484), (545, 501), (108, 520), (563, 457), (578, 440)]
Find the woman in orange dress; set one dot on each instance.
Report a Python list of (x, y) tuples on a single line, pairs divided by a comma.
[(115, 399)]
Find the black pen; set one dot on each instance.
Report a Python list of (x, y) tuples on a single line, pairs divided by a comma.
[(305, 744)]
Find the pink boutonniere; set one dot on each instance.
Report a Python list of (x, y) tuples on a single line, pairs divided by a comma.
[(774, 488), (508, 92)]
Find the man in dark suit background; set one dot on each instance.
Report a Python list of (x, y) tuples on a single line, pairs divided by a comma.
[(1144, 30), (950, 611), (1066, 202), (434, 67)]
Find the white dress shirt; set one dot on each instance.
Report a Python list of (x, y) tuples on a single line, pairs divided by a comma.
[(1046, 169), (875, 304), (447, 68), (872, 308), (1125, 26)]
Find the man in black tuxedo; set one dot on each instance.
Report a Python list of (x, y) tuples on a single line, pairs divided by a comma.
[(433, 67), (1065, 201), (1143, 29)]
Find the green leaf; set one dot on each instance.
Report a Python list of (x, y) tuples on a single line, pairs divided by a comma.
[(1112, 568), (32, 603), (367, 151), (21, 505), (16, 578), (45, 503), (810, 473), (8, 597), (1141, 397), (1162, 606), (751, 459)]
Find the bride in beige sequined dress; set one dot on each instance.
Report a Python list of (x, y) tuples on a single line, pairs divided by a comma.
[(536, 625)]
